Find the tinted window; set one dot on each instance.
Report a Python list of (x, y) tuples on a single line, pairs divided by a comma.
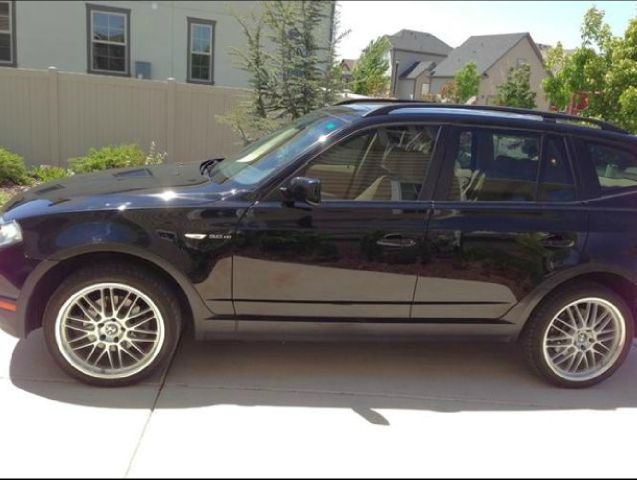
[(615, 168), (384, 164), (556, 179), (495, 167)]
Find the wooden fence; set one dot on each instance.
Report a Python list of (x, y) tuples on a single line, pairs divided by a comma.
[(50, 116)]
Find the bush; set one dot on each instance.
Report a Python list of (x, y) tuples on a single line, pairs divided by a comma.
[(47, 173), (115, 156), (12, 169)]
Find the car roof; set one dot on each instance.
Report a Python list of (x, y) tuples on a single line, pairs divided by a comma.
[(514, 117)]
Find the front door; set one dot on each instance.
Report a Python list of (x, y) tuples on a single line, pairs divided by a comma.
[(356, 254), (505, 217)]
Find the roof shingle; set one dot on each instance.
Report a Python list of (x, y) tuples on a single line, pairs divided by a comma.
[(418, 42), (485, 50)]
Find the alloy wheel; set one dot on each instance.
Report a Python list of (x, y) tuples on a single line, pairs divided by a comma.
[(584, 339), (109, 330)]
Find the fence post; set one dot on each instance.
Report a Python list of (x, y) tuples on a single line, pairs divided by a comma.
[(171, 93), (54, 123)]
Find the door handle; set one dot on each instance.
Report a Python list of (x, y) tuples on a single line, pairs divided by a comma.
[(557, 241), (396, 240)]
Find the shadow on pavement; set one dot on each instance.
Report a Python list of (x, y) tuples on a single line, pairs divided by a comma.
[(441, 377)]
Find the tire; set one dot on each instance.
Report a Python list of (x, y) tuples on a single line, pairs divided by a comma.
[(112, 325), (597, 342)]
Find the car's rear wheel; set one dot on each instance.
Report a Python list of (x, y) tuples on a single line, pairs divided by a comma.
[(112, 325), (579, 336)]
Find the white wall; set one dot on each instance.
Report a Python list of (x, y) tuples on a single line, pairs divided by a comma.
[(53, 33)]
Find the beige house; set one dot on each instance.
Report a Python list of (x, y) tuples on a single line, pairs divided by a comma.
[(494, 55), (411, 57), (347, 67)]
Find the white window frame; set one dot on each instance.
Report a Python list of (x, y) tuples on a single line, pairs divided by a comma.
[(94, 9), (11, 32), (211, 25)]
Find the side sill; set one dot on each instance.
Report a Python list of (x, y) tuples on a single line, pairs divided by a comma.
[(351, 330)]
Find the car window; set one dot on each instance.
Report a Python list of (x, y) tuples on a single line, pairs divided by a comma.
[(556, 178), (382, 164), (493, 166), (616, 168), (261, 159)]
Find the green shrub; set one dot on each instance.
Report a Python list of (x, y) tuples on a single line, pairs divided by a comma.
[(115, 156), (47, 173), (12, 169)]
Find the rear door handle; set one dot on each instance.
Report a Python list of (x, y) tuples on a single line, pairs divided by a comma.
[(396, 240), (558, 241)]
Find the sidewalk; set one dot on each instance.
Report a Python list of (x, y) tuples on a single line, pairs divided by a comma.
[(287, 410)]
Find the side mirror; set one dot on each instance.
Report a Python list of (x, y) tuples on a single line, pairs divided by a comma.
[(303, 189)]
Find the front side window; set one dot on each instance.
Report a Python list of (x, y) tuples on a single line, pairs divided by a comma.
[(200, 50), (7, 33), (382, 164), (108, 40), (616, 169)]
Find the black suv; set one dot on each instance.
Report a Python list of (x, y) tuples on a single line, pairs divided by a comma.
[(372, 219)]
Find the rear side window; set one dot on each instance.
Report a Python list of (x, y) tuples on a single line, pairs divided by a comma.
[(556, 178), (616, 169), (511, 167), (495, 167)]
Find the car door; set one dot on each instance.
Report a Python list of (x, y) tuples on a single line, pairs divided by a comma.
[(356, 253), (506, 215)]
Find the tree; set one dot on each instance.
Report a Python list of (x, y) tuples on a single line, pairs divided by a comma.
[(467, 82), (291, 77), (603, 67), (516, 91), (369, 76)]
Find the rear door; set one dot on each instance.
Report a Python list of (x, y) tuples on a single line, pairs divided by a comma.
[(610, 171), (506, 215), (357, 253)]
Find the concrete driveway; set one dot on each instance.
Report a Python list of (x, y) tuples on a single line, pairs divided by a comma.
[(269, 410)]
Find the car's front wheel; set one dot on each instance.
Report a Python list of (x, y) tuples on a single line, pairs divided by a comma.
[(579, 335), (112, 325)]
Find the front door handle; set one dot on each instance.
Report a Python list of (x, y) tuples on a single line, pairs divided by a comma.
[(558, 241), (396, 240)]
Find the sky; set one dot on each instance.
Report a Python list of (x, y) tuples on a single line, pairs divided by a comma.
[(453, 21)]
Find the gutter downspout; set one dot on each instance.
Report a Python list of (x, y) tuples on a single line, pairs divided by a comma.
[(395, 83)]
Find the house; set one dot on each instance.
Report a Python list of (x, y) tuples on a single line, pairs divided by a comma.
[(494, 56), (347, 67), (190, 41), (412, 56)]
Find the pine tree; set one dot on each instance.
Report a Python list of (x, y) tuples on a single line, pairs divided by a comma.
[(295, 75)]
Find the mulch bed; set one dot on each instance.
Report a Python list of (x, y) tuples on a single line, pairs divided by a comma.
[(12, 190)]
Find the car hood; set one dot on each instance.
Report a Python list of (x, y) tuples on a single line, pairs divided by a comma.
[(140, 187)]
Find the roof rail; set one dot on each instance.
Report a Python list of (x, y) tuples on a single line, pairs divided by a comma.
[(552, 117), (376, 100)]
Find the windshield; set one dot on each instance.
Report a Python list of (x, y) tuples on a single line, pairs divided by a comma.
[(260, 159)]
